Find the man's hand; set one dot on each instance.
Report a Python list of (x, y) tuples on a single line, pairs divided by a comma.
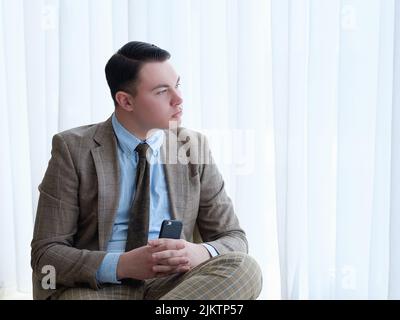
[(169, 251), (160, 258), (140, 264)]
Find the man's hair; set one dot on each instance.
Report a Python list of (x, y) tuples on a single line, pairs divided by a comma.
[(122, 70)]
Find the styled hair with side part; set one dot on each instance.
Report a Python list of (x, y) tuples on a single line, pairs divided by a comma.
[(123, 68)]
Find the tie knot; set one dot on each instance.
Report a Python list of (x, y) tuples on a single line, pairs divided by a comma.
[(142, 149)]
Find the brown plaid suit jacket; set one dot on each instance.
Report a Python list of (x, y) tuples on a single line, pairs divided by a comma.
[(79, 197)]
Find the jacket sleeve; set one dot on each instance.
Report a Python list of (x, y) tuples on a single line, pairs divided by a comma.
[(217, 222), (56, 224)]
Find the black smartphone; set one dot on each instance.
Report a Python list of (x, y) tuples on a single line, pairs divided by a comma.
[(171, 229)]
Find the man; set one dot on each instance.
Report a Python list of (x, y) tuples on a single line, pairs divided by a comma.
[(109, 186)]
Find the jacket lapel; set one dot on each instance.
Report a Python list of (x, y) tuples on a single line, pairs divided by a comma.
[(108, 175), (176, 175)]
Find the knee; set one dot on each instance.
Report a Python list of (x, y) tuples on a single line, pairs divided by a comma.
[(248, 271)]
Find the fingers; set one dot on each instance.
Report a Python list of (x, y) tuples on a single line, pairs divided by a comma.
[(167, 254), (173, 261), (171, 244), (157, 249)]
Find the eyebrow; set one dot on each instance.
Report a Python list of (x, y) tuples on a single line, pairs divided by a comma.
[(164, 85)]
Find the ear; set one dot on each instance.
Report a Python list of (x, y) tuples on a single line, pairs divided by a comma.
[(124, 100)]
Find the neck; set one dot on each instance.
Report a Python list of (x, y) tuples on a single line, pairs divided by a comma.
[(133, 127)]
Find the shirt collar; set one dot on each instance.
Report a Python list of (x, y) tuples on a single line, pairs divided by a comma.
[(128, 141)]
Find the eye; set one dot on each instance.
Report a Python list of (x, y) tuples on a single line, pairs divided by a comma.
[(177, 85), (159, 93)]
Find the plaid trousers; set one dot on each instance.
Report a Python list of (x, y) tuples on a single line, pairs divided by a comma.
[(230, 276)]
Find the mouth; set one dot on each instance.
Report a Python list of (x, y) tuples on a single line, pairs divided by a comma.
[(177, 115)]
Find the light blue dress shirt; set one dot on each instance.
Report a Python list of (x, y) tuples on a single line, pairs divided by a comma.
[(159, 202)]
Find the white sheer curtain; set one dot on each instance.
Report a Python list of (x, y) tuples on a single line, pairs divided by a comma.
[(298, 98), (336, 104)]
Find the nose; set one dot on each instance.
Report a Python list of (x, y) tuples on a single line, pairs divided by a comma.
[(176, 98)]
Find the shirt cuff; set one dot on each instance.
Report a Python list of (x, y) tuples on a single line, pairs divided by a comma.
[(213, 252), (107, 272)]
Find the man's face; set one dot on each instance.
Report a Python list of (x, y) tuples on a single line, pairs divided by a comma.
[(158, 99)]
